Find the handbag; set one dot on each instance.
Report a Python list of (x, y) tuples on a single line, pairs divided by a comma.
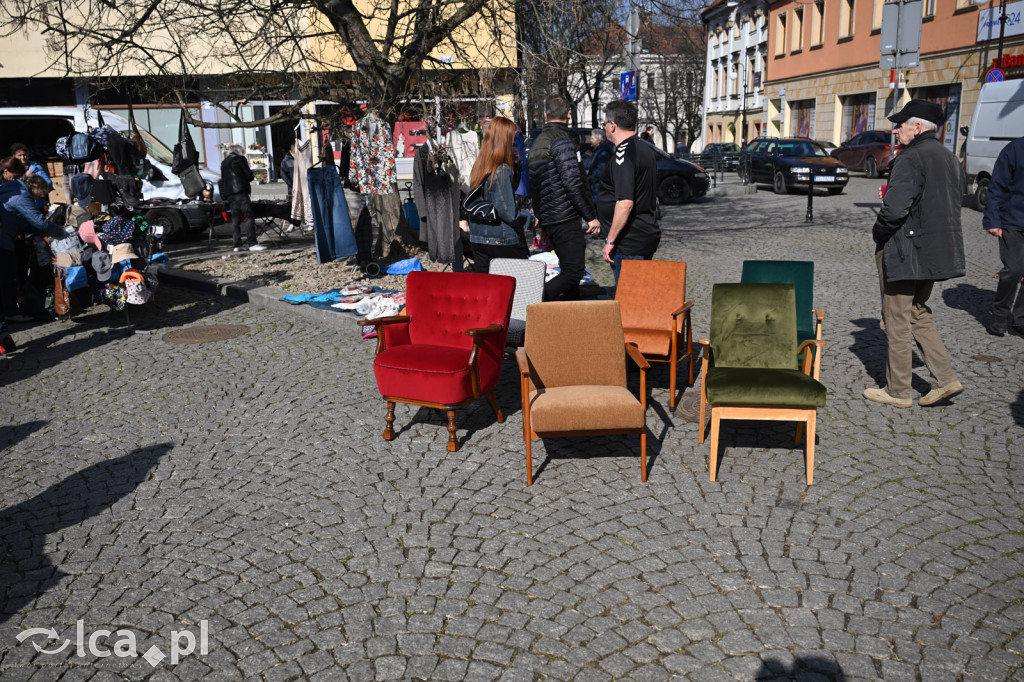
[(185, 154), (191, 181), (479, 207)]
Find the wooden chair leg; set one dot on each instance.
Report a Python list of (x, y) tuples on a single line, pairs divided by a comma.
[(389, 419), (529, 460), (673, 367), (715, 420), (809, 463), (643, 455), (701, 426), (453, 442), (799, 432), (493, 400)]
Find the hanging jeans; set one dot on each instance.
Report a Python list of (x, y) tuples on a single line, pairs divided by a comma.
[(334, 236), (388, 210)]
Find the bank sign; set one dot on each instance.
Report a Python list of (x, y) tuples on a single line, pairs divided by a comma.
[(988, 22)]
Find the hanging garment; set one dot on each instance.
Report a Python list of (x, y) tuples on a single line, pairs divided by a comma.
[(333, 227), (301, 209), (388, 210), (372, 165), (364, 235), (464, 148)]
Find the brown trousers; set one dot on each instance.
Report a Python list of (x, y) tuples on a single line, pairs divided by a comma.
[(907, 317)]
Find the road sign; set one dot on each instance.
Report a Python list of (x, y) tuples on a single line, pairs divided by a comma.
[(901, 35), (994, 76), (627, 86)]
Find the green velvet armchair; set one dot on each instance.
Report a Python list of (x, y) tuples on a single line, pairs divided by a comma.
[(799, 273), (750, 368)]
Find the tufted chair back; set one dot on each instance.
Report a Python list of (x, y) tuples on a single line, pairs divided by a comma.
[(753, 326)]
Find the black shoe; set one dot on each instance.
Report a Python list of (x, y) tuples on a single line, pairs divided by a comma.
[(1017, 330), (996, 331)]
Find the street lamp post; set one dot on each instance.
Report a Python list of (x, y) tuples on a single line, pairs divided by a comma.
[(1002, 27), (742, 75)]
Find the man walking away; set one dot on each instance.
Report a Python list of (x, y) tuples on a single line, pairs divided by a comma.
[(627, 202), (560, 199), (1004, 218), (235, 185), (919, 242)]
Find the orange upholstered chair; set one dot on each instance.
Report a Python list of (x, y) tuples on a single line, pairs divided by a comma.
[(447, 350), (573, 375), (656, 314)]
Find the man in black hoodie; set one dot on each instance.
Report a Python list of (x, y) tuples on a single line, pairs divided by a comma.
[(560, 198), (235, 185)]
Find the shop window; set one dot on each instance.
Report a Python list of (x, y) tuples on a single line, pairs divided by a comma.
[(797, 41), (858, 114), (780, 34), (818, 23), (802, 118), (846, 18)]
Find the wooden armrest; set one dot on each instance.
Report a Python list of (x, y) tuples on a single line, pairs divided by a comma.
[(524, 364), (380, 321), (811, 343), (483, 331), (683, 308), (819, 314), (638, 357), (704, 342), (809, 368)]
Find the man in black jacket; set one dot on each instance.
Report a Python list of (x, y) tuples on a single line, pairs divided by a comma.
[(1004, 218), (560, 198), (919, 242), (235, 185)]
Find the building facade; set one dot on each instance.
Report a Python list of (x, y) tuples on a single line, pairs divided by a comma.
[(823, 76), (737, 44)]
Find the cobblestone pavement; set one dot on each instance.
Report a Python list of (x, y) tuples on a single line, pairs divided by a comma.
[(241, 489)]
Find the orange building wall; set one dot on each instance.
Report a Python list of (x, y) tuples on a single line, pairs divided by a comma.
[(956, 29)]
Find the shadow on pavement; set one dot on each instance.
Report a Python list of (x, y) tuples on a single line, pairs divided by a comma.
[(26, 573), (804, 668), (870, 347), (971, 299), (99, 326), (1017, 409)]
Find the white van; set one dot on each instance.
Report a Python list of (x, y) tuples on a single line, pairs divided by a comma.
[(41, 127), (998, 118)]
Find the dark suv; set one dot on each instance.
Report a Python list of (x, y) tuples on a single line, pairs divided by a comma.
[(792, 162), (868, 152)]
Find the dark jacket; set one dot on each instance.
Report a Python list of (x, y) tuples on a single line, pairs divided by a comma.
[(19, 214), (513, 221), (1005, 207), (556, 180), (235, 176), (919, 222), (598, 162), (288, 170)]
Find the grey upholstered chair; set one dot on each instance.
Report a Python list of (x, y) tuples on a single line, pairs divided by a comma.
[(529, 276)]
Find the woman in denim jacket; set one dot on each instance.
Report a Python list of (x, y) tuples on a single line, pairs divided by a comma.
[(493, 165)]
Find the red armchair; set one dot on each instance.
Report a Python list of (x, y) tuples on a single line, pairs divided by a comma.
[(447, 350)]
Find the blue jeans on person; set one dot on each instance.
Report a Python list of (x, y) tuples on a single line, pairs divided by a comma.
[(617, 262)]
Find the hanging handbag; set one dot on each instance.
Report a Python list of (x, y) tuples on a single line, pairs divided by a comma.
[(136, 136), (185, 153), (479, 207)]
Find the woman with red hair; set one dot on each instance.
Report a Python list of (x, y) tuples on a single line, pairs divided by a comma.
[(493, 170)]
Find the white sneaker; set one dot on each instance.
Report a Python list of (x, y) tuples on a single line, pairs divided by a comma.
[(257, 247), (237, 249), (289, 228)]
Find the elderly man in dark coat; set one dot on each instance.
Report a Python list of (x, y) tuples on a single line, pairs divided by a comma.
[(919, 242)]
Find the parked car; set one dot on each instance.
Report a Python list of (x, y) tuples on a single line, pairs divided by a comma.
[(869, 152), (717, 155), (679, 180), (792, 162), (995, 122)]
